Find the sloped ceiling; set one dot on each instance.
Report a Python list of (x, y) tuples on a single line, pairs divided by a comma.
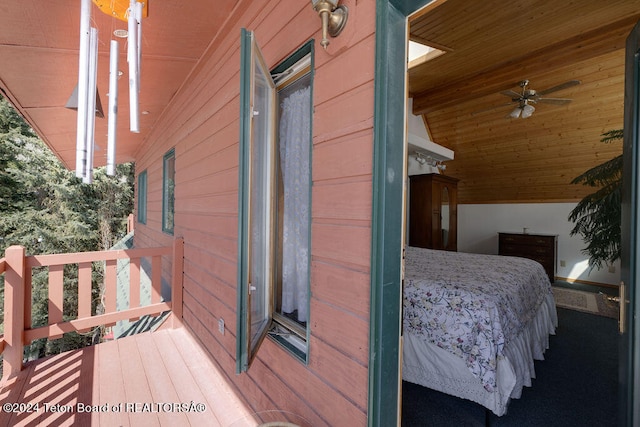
[(490, 47), (39, 43)]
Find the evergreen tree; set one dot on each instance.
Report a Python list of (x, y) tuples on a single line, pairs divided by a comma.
[(597, 216), (47, 209)]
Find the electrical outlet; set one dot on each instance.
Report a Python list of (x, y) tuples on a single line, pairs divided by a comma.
[(563, 263), (612, 269), (221, 325)]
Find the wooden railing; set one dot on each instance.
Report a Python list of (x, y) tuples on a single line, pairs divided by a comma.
[(17, 269), (2, 268)]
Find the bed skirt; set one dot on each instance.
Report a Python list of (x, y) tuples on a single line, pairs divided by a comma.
[(430, 366)]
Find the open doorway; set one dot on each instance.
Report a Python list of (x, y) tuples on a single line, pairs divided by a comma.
[(450, 106)]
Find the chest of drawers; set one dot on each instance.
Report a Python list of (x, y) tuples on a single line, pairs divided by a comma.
[(538, 247)]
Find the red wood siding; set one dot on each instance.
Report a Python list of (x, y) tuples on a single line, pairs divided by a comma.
[(203, 126)]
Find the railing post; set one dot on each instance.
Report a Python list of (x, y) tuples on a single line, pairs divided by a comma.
[(176, 280), (14, 295), (130, 223)]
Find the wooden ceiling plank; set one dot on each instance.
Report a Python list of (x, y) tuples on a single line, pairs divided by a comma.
[(510, 28), (577, 49)]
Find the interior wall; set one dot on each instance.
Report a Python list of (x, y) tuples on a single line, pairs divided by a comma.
[(479, 224)]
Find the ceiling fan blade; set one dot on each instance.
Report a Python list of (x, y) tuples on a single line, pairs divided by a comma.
[(556, 101), (564, 85), (511, 94)]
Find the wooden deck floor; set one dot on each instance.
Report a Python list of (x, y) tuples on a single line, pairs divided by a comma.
[(160, 378)]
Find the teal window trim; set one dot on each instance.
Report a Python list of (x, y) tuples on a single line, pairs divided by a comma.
[(302, 51), (247, 66), (242, 326), (142, 197), (257, 150), (168, 191)]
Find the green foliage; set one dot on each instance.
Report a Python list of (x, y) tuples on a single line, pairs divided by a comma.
[(597, 217), (47, 209)]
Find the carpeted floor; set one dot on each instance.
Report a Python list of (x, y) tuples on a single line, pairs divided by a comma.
[(576, 384)]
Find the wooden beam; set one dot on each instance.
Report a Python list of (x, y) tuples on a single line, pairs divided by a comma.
[(430, 43)]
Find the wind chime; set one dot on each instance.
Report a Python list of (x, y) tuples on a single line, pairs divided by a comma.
[(85, 98)]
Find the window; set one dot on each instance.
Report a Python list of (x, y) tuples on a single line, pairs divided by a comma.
[(419, 53), (168, 190), (275, 201), (142, 197)]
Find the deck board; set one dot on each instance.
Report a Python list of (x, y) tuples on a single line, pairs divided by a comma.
[(136, 386), (132, 376), (111, 384), (158, 374), (182, 379)]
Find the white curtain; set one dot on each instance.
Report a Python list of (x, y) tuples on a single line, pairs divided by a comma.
[(295, 143)]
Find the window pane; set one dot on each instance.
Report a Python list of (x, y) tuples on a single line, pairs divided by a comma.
[(142, 197), (261, 216), (294, 140), (262, 210), (168, 190)]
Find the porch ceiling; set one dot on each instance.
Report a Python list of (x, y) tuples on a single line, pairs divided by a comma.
[(39, 44), (491, 45)]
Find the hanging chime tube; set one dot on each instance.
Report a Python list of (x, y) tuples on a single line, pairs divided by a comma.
[(113, 108), (83, 83), (132, 58), (91, 105), (139, 45)]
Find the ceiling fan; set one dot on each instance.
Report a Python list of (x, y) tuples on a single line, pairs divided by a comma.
[(527, 97)]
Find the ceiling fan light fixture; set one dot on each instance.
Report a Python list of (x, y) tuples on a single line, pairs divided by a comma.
[(528, 96), (527, 111)]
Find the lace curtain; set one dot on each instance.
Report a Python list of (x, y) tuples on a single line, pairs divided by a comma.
[(295, 131)]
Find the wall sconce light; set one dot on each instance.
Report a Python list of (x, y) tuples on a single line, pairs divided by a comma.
[(334, 18), (420, 158), (429, 161)]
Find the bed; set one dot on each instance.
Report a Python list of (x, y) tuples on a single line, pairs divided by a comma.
[(474, 324)]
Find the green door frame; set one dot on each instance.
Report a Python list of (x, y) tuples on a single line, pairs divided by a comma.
[(388, 187), (629, 352), (386, 245)]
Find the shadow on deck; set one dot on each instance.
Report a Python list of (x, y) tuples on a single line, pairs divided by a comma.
[(154, 378)]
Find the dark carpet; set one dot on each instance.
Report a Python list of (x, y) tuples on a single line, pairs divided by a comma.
[(576, 384)]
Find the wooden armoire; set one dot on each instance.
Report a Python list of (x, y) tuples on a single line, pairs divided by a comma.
[(433, 211)]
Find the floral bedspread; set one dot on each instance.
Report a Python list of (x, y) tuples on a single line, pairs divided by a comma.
[(471, 305)]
